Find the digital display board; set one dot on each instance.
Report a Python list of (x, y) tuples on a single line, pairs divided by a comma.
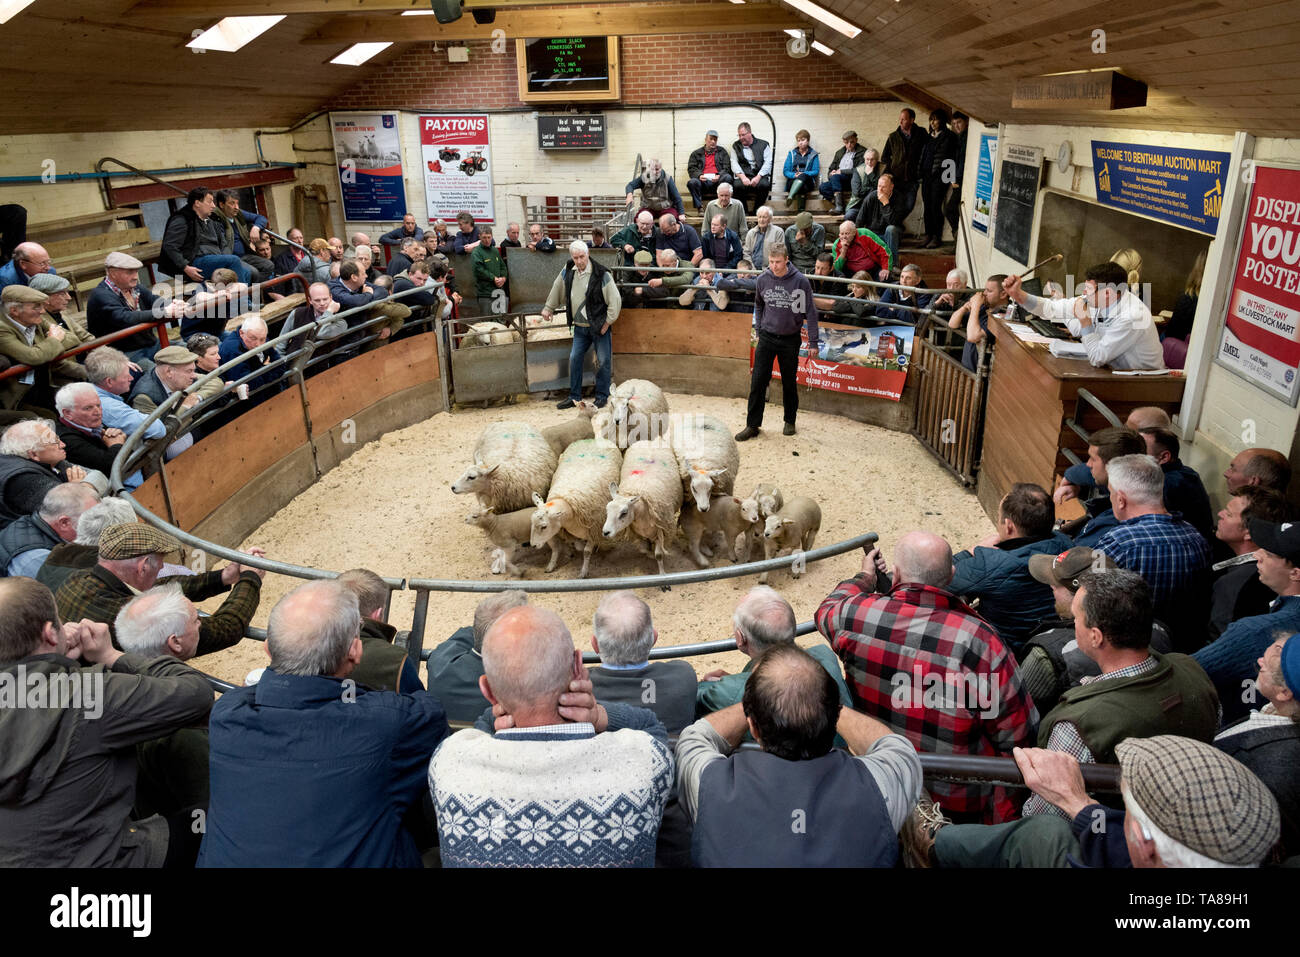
[(568, 68), (571, 132)]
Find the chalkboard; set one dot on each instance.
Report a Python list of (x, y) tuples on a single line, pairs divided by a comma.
[(1017, 197), (568, 131)]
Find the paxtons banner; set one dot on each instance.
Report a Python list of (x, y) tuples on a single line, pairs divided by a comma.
[(1260, 339), (858, 361), (369, 154), (457, 166)]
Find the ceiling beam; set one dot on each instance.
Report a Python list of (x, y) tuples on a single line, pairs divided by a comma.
[(216, 9), (639, 19)]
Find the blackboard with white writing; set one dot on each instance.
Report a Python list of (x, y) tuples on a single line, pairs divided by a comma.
[(1017, 197)]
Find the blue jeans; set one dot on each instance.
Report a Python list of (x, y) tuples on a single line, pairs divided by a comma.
[(891, 240), (583, 339), (835, 183), (207, 264)]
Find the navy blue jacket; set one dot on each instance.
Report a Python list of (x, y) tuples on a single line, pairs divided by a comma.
[(107, 312), (1011, 600), (684, 242), (734, 248), (394, 237), (1096, 528), (232, 347), (317, 772), (1100, 833), (892, 297), (454, 668)]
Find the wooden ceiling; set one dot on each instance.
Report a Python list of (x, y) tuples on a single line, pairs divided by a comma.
[(1210, 65)]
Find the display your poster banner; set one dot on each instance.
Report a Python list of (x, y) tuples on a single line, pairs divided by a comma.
[(368, 150), (857, 361), (457, 166), (984, 183), (1179, 186), (1260, 340)]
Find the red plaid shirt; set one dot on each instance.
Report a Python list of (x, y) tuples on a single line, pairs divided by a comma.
[(922, 662)]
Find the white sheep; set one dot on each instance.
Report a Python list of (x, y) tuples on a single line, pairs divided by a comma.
[(765, 500), (793, 528), (647, 498), (488, 333), (512, 462), (509, 532), (575, 429), (577, 498), (707, 456), (724, 516), (637, 412)]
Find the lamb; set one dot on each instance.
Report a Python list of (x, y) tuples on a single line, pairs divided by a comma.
[(723, 515), (765, 501), (488, 334), (512, 462), (647, 498), (707, 456), (508, 532), (794, 528), (637, 411), (579, 427), (577, 498)]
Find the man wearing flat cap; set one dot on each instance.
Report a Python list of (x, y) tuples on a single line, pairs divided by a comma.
[(58, 290), (130, 558), (840, 180), (1230, 660), (118, 303), (29, 337), (173, 371)]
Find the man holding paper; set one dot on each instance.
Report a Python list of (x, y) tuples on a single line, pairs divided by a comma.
[(1114, 325)]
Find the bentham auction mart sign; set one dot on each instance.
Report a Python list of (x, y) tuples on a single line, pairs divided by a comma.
[(1260, 335)]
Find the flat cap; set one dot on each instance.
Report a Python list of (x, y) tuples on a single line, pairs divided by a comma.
[(20, 293), (174, 356), (643, 257), (122, 261), (849, 135), (804, 221), (1202, 798), (48, 283), (133, 540)]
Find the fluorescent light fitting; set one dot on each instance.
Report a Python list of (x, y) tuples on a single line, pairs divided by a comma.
[(737, 1), (11, 8), (822, 48), (823, 15), (231, 33), (359, 53), (794, 33), (417, 13)]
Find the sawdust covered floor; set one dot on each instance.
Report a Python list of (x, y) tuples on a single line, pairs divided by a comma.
[(389, 507)]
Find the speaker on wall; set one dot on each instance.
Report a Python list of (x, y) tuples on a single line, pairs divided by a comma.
[(483, 14), (447, 11)]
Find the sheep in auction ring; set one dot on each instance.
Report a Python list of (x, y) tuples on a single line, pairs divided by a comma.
[(794, 528), (637, 412), (488, 333), (647, 498), (512, 462), (707, 456), (765, 501), (509, 532), (577, 498), (724, 515), (579, 427)]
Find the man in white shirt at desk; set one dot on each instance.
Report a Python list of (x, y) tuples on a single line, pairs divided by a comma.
[(1114, 325)]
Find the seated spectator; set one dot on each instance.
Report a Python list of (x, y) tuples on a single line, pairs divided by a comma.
[(287, 261), (863, 183), (743, 802), (417, 277), (317, 265), (208, 350), (241, 230), (919, 642), (351, 290), (361, 240), (262, 251), (739, 288), (29, 337), (80, 428), (26, 543), (708, 167), (658, 191), (336, 249), (897, 305), (1104, 446), (58, 297), (455, 666), (1230, 660), (50, 813), (1236, 591), (1137, 694), (1051, 662), (1266, 467), (762, 237), (573, 764), (641, 288), (32, 461), (721, 245), (83, 551), (408, 230), (489, 276), (366, 260), (732, 210), (409, 251), (753, 178), (319, 307), (1166, 551), (861, 250), (945, 303), (109, 371), (29, 260), (622, 633), (194, 243), (839, 176), (1184, 492), (703, 293), (1267, 741), (637, 236), (858, 308), (383, 665), (1185, 805), (673, 282), (438, 241), (213, 302), (823, 266), (467, 237), (118, 303), (802, 170), (598, 240), (250, 335), (882, 215), (762, 620), (681, 238), (173, 371), (537, 241), (996, 570), (1077, 481), (308, 735), (805, 240), (974, 314)]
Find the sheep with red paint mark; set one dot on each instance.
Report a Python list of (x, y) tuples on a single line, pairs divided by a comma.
[(647, 498)]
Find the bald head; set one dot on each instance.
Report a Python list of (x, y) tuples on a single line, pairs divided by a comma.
[(32, 258), (315, 630), (528, 660), (924, 559), (764, 619), (1264, 467), (1148, 417)]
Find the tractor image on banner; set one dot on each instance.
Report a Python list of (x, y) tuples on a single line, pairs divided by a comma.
[(457, 153)]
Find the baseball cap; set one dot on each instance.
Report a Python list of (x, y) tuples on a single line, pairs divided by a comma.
[(1280, 539), (174, 356), (133, 540), (1064, 569), (121, 260)]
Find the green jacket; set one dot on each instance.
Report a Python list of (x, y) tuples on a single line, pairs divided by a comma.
[(713, 696), (488, 265), (381, 660), (1176, 698)]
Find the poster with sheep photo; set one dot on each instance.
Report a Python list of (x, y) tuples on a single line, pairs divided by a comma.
[(368, 152), (457, 159), (854, 360)]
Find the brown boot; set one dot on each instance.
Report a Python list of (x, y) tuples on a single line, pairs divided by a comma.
[(918, 832)]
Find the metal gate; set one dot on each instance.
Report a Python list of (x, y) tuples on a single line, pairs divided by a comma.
[(949, 417), (482, 371)]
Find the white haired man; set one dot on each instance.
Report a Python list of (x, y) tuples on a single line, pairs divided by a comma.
[(309, 736), (658, 191), (33, 461), (87, 442), (25, 544), (591, 303), (239, 342), (576, 768)]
